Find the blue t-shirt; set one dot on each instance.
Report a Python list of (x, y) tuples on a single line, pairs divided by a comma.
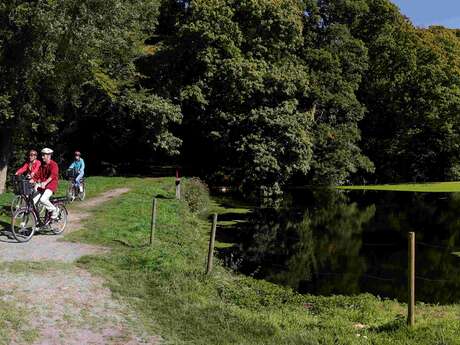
[(78, 165)]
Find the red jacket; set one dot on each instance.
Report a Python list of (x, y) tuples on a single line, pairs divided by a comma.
[(49, 170), (32, 168)]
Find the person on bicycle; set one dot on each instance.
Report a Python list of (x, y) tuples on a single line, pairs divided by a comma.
[(79, 165), (48, 179), (31, 167)]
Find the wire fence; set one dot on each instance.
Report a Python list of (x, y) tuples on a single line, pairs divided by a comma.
[(399, 274)]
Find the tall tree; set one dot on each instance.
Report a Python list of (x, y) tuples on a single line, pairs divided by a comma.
[(28, 44), (337, 60), (267, 90)]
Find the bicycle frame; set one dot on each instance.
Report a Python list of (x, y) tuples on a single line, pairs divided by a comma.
[(32, 207)]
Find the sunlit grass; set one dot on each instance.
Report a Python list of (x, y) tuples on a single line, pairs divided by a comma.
[(436, 187)]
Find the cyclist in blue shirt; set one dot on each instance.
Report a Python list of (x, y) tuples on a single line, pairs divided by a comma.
[(78, 165)]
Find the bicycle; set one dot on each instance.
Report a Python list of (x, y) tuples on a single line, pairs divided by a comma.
[(75, 191), (28, 220)]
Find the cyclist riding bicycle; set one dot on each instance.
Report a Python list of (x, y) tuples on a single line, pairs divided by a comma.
[(48, 179), (31, 167), (79, 166)]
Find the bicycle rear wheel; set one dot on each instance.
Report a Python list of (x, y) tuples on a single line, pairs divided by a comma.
[(17, 203), (58, 225), (23, 225)]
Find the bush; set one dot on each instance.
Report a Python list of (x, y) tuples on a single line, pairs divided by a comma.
[(196, 195)]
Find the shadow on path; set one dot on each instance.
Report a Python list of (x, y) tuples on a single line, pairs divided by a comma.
[(5, 233)]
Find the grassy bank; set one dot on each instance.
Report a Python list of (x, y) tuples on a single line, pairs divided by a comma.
[(438, 187), (167, 287)]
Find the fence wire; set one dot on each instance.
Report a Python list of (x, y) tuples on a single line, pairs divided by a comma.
[(374, 277)]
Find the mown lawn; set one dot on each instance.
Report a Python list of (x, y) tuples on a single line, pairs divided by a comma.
[(167, 286), (436, 187)]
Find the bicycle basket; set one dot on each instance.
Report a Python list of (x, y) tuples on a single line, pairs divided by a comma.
[(72, 173), (24, 187)]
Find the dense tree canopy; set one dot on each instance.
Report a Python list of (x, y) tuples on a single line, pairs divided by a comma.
[(62, 59), (411, 91), (266, 88), (256, 93)]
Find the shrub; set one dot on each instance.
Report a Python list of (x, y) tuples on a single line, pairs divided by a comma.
[(196, 195)]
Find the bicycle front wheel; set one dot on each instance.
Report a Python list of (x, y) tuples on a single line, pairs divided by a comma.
[(17, 203), (71, 193), (23, 225)]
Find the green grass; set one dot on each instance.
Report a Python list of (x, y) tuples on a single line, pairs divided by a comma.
[(435, 187), (13, 324), (34, 267), (167, 287)]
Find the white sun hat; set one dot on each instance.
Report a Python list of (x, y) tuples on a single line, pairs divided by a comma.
[(47, 151)]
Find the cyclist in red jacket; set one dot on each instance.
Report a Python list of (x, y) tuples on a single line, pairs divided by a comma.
[(31, 167), (48, 179)]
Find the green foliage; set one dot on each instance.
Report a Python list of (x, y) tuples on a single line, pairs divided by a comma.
[(258, 86), (154, 116), (251, 93), (196, 195), (256, 295), (74, 58), (411, 130)]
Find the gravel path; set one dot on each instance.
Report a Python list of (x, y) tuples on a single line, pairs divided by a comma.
[(72, 307), (48, 247), (67, 306)]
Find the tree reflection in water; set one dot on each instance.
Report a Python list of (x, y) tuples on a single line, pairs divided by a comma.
[(328, 242)]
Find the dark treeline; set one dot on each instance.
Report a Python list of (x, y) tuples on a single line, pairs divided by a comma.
[(256, 93)]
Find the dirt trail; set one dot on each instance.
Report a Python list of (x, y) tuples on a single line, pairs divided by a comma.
[(68, 305), (48, 247)]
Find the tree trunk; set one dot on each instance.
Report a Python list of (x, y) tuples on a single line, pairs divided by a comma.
[(5, 153)]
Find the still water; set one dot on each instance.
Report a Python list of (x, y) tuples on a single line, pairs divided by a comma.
[(337, 242)]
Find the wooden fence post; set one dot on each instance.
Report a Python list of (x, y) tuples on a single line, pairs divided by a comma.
[(411, 280), (211, 244), (154, 220), (178, 182)]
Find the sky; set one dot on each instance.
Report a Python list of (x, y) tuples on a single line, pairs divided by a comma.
[(431, 12)]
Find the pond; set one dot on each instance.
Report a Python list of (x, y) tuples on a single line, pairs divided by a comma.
[(329, 242)]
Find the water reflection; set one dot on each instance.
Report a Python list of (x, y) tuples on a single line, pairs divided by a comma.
[(328, 242)]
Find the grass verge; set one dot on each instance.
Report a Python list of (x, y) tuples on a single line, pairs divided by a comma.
[(166, 285)]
